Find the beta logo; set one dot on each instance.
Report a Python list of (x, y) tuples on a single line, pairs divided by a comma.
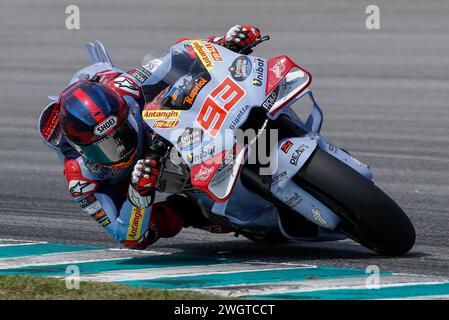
[(105, 126)]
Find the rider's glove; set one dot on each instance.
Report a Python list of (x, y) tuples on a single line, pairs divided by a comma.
[(144, 179), (239, 37)]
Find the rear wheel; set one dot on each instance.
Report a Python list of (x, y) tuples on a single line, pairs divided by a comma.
[(369, 216)]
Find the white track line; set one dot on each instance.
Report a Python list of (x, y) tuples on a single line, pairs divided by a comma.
[(155, 273), (13, 242), (436, 297), (317, 285), (74, 257), (20, 244), (401, 156)]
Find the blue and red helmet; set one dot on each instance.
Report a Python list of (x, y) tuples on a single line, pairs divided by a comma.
[(97, 123)]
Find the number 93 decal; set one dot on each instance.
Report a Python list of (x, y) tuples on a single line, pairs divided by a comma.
[(217, 105)]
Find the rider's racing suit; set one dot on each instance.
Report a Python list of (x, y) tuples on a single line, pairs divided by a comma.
[(102, 192)]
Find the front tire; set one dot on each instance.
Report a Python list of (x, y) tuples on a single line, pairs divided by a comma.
[(369, 216)]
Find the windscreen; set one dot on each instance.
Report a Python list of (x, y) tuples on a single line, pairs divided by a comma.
[(184, 74)]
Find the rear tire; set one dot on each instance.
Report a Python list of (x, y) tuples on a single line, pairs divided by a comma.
[(369, 216)]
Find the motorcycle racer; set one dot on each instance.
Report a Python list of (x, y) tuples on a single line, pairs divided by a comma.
[(111, 163)]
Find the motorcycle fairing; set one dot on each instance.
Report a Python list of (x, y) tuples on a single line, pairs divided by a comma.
[(221, 91), (344, 157), (290, 79), (292, 155), (217, 176)]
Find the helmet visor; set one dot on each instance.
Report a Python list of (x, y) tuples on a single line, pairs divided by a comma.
[(113, 148)]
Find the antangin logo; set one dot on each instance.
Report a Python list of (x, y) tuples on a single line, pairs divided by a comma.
[(202, 54), (105, 126), (160, 114), (135, 223)]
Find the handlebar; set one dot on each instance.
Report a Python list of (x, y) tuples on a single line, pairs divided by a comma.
[(247, 49)]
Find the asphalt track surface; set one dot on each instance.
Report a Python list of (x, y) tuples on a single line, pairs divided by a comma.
[(384, 93)]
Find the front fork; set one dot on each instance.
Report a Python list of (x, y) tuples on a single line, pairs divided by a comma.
[(293, 153)]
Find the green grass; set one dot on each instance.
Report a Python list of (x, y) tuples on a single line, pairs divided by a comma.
[(39, 288)]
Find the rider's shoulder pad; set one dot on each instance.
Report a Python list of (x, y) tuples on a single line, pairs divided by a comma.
[(78, 184)]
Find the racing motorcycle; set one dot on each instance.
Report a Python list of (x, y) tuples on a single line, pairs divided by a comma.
[(308, 190)]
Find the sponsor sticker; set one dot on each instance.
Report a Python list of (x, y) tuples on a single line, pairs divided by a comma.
[(229, 158), (89, 205), (358, 162), (221, 177), (83, 76), (126, 85), (190, 138), (201, 155), (160, 114), (259, 69), (203, 174), (141, 74), (165, 124), (269, 102), (279, 177), (83, 203), (238, 117), (279, 68), (105, 222), (316, 214), (286, 146), (135, 223), (293, 200), (240, 68), (152, 66), (80, 188), (203, 55), (99, 215), (297, 154), (213, 52), (106, 125), (199, 84)]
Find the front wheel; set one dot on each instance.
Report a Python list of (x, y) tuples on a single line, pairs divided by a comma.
[(369, 216)]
